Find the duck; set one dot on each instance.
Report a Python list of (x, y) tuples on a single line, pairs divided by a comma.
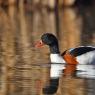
[(67, 62)]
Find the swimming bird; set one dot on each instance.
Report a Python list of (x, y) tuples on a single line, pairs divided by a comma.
[(72, 56)]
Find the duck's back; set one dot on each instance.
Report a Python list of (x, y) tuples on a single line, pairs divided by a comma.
[(81, 50), (84, 54)]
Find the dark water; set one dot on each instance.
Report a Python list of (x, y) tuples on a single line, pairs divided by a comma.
[(23, 68)]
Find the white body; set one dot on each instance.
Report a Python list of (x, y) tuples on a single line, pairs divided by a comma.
[(56, 69), (83, 60)]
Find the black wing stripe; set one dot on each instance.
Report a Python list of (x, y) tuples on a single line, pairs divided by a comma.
[(81, 50)]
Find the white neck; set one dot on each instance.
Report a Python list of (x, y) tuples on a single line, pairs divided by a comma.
[(56, 58)]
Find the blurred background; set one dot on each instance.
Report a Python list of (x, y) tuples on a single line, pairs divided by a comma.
[(22, 22)]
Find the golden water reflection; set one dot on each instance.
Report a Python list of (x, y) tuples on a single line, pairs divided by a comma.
[(19, 29)]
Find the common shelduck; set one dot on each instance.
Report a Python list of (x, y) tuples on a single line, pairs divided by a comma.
[(72, 56)]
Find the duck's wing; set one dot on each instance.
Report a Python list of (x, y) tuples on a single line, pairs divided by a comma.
[(83, 54), (81, 50)]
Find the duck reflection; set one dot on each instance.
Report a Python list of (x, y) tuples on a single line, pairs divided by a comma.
[(52, 88)]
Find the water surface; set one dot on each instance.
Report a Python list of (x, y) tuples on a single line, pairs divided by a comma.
[(24, 69)]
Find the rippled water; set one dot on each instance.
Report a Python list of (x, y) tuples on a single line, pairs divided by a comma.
[(24, 69)]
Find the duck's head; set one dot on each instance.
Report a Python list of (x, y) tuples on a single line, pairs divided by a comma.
[(50, 40)]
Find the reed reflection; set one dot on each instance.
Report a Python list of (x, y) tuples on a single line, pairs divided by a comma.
[(20, 27), (70, 27)]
